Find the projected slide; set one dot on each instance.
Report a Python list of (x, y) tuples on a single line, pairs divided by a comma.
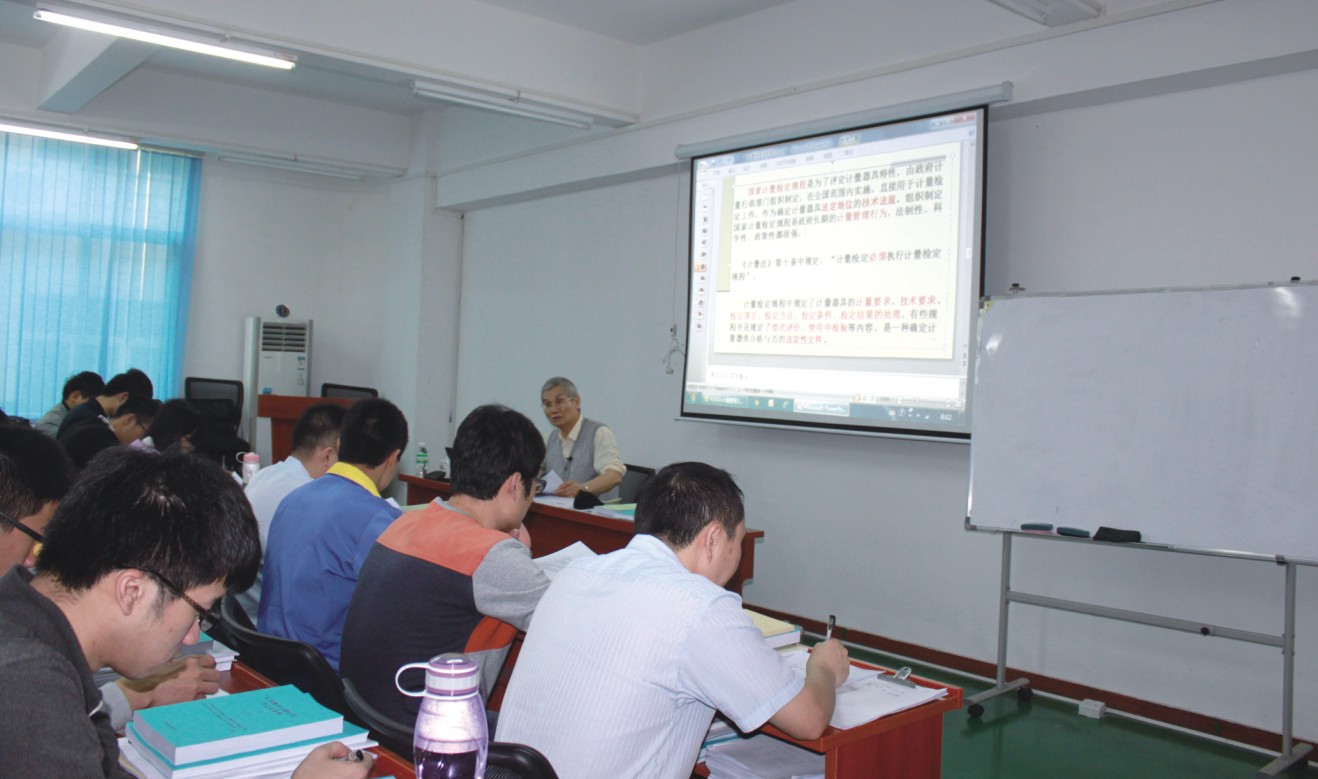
[(834, 279)]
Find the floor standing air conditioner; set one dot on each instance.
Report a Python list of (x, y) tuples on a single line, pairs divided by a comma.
[(276, 361)]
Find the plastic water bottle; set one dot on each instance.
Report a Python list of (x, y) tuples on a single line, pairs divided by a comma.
[(422, 460), (251, 464), (451, 737)]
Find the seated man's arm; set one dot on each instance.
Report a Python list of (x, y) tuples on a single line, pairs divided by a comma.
[(44, 719), (507, 585), (182, 679), (608, 462), (806, 715)]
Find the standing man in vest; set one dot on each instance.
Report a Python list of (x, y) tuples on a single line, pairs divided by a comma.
[(580, 450)]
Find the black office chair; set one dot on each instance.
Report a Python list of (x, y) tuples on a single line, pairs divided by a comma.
[(392, 734), (632, 481), (505, 761), (517, 761), (220, 401), (283, 660), (328, 390)]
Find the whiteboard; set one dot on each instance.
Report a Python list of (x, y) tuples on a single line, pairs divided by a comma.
[(1190, 415)]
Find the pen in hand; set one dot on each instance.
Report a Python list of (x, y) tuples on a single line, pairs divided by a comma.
[(828, 631)]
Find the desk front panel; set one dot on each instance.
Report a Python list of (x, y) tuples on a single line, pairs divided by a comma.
[(905, 745)]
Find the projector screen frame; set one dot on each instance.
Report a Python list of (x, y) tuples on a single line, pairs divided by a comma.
[(969, 291)]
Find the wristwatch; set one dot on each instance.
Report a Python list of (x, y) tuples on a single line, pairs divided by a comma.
[(584, 488)]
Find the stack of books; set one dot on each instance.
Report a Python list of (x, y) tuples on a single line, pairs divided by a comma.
[(224, 657), (777, 633), (762, 757), (206, 645), (247, 734)]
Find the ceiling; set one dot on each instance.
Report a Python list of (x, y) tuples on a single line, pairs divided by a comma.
[(637, 21), (379, 88)]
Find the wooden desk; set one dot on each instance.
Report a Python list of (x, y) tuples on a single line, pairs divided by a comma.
[(905, 745), (283, 411), (553, 528), (241, 679)]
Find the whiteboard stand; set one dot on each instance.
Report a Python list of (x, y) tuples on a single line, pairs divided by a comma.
[(1291, 753)]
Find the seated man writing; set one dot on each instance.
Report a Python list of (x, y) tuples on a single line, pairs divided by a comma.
[(136, 555), (34, 476), (452, 577), (631, 653)]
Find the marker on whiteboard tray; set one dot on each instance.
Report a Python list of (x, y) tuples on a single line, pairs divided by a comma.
[(1037, 527)]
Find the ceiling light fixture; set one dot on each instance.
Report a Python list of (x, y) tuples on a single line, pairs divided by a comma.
[(61, 135), (172, 39), (300, 165), (504, 101), (1053, 13)]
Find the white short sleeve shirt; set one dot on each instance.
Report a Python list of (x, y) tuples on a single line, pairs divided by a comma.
[(626, 660)]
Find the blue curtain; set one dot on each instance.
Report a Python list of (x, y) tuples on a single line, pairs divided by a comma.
[(96, 251)]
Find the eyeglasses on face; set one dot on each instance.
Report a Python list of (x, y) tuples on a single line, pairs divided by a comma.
[(20, 527), (562, 401), (206, 618)]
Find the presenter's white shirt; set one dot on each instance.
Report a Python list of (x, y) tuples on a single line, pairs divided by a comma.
[(626, 660), (266, 491)]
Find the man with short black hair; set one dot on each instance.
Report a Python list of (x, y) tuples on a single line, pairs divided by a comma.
[(315, 449), (80, 388), (465, 565), (322, 531), (130, 422), (583, 452), (34, 475), (137, 554), (631, 653), (106, 404)]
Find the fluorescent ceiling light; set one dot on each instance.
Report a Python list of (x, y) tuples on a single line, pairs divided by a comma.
[(1053, 13), (268, 59), (501, 101), (60, 135), (353, 172)]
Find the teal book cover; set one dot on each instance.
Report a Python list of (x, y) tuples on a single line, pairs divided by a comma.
[(351, 736), (227, 724)]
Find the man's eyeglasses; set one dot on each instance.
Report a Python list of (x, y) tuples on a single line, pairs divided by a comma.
[(20, 527), (206, 618)]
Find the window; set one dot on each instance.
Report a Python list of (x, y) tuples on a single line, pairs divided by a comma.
[(96, 250)]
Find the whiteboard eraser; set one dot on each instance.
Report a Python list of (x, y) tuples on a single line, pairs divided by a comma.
[(1092, 708)]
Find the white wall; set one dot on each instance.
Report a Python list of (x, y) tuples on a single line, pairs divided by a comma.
[(1207, 186), (318, 247), (577, 271)]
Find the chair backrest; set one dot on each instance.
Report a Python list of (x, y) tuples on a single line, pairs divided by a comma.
[(283, 660), (632, 481), (220, 401), (328, 390), (506, 760), (394, 735), (517, 761)]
